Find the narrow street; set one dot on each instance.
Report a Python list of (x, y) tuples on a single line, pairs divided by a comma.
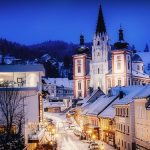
[(66, 139)]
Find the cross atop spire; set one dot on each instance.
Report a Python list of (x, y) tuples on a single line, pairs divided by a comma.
[(121, 37), (100, 28)]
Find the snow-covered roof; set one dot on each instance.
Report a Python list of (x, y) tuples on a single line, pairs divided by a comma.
[(130, 93), (96, 107), (22, 68), (126, 89), (89, 99), (60, 82), (139, 74), (145, 92), (136, 58), (109, 112), (146, 59), (53, 104)]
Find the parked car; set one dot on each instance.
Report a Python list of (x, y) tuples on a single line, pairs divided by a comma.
[(94, 146), (77, 133)]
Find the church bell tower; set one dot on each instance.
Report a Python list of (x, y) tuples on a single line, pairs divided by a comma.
[(100, 55)]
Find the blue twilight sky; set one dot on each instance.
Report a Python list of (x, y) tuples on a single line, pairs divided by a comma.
[(35, 21)]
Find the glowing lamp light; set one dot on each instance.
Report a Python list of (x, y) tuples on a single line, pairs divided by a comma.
[(1, 79), (53, 130), (93, 137), (51, 142), (89, 131)]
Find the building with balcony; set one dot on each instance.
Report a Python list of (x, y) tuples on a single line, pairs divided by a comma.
[(25, 80)]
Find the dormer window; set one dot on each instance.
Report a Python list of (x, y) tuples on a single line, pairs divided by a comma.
[(138, 67)]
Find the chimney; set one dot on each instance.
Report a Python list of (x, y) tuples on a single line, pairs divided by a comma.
[(121, 94)]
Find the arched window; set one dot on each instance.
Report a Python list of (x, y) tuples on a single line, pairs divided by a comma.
[(138, 67), (98, 43), (119, 82), (128, 65), (79, 85), (79, 69)]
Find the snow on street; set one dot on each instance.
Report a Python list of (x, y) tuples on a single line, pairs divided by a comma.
[(66, 138)]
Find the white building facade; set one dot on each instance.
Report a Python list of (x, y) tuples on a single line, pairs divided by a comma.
[(26, 80), (107, 68)]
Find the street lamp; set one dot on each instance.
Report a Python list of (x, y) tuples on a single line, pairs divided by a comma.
[(89, 133), (93, 137)]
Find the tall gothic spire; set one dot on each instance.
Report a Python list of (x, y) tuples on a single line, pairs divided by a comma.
[(100, 28)]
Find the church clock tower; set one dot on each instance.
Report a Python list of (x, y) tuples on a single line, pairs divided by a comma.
[(99, 66), (81, 68)]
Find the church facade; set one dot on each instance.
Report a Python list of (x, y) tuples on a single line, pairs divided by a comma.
[(106, 68)]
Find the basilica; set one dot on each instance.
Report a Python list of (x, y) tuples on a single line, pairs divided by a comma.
[(109, 65)]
